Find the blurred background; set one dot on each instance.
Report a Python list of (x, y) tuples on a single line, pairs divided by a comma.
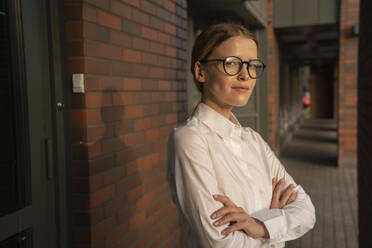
[(91, 90)]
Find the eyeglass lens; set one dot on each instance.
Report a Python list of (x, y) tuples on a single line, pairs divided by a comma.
[(233, 66)]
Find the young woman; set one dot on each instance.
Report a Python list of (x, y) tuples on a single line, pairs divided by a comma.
[(230, 188)]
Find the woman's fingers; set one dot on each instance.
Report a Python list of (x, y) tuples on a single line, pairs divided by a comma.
[(274, 181), (225, 210), (225, 200), (235, 227), (230, 218), (277, 190), (292, 197), (286, 195)]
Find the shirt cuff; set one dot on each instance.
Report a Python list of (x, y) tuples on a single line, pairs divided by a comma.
[(274, 221)]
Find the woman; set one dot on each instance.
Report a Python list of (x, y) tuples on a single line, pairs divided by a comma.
[(230, 188)]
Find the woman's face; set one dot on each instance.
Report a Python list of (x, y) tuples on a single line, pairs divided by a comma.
[(222, 89)]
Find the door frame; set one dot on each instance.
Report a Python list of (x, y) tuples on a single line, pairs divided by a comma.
[(61, 134)]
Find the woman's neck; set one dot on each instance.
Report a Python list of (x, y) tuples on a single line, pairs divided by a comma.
[(223, 110)]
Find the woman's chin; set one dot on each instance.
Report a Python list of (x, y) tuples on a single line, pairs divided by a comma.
[(240, 103)]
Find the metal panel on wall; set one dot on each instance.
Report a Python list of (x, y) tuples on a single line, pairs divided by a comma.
[(291, 13)]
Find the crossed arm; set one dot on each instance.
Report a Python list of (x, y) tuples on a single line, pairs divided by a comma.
[(239, 220)]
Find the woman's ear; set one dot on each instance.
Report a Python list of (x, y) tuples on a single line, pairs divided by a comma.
[(199, 72)]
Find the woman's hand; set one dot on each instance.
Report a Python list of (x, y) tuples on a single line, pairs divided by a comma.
[(238, 219), (288, 196)]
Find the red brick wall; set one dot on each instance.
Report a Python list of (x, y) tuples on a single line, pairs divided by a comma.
[(132, 53), (273, 81), (347, 112)]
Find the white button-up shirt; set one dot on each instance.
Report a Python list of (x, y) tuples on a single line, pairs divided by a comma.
[(210, 155)]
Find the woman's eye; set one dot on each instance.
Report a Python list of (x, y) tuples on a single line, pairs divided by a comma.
[(231, 63)]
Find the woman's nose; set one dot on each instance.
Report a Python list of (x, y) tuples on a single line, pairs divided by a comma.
[(243, 74)]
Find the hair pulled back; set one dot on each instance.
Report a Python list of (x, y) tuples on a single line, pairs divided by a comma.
[(211, 38)]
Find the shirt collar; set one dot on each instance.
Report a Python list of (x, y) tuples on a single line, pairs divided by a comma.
[(217, 122)]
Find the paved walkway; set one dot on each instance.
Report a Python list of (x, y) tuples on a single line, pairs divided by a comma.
[(310, 157)]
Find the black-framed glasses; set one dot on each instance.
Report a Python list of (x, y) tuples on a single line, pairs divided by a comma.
[(232, 66)]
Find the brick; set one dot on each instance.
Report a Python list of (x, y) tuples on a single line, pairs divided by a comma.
[(135, 3), (124, 127), (102, 228), (85, 117), (163, 14), (148, 7), (181, 12), (111, 84), (86, 150), (156, 23), (156, 72), (156, 47), (74, 30), (121, 9), (75, 48), (132, 84), (95, 182), (89, 13), (92, 83), (97, 100), (133, 112), (116, 234), (170, 51), (114, 175), (164, 38), (123, 99), (150, 135), (121, 39), (142, 124), (149, 84), (102, 196), (111, 145), (134, 139), (132, 56), (170, 28), (76, 65), (112, 114), (104, 4), (93, 31), (131, 27), (141, 44), (140, 17), (150, 109), (73, 12), (112, 207), (142, 203), (128, 183), (170, 5), (101, 50), (143, 163), (148, 58), (135, 193), (95, 66), (149, 33), (121, 69), (140, 70), (109, 20)]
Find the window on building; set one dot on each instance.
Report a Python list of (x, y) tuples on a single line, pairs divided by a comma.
[(14, 168)]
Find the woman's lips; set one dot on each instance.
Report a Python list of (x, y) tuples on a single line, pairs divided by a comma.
[(241, 88)]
